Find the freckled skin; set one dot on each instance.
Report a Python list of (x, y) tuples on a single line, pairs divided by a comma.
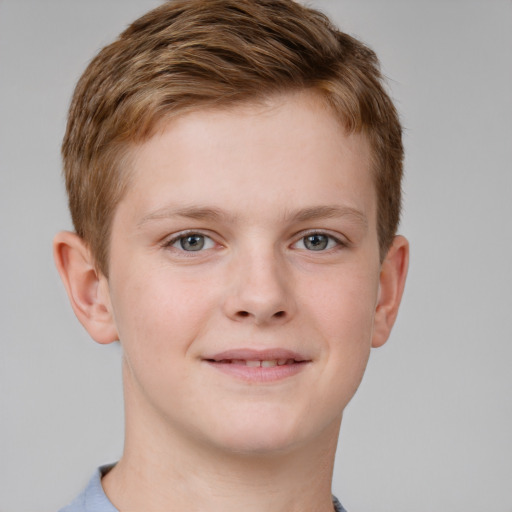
[(256, 165), (246, 233)]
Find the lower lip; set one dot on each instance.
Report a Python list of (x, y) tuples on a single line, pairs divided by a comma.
[(259, 374)]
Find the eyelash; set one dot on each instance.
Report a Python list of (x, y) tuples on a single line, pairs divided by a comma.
[(188, 234), (333, 242)]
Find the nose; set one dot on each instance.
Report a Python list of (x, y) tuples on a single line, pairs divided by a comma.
[(260, 291)]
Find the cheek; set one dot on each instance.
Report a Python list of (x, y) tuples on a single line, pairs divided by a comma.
[(343, 304), (157, 313), (347, 330), (343, 311), (158, 320)]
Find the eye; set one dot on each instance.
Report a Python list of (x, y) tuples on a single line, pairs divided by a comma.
[(192, 242), (317, 242)]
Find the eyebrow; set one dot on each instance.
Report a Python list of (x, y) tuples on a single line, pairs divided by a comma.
[(329, 212), (188, 212), (216, 214)]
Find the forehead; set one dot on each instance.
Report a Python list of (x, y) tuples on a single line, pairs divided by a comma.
[(290, 150)]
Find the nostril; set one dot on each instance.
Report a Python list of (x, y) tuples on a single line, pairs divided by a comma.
[(245, 314)]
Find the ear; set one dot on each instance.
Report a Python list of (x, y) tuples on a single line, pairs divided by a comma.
[(87, 288), (391, 287)]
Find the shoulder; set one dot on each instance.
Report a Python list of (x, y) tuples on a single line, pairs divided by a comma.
[(338, 507), (92, 498)]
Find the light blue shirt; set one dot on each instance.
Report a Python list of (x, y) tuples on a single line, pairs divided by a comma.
[(94, 499)]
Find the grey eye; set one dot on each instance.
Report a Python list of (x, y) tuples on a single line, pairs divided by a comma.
[(192, 242), (316, 242)]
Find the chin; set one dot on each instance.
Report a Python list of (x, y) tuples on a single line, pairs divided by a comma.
[(261, 436), (259, 446)]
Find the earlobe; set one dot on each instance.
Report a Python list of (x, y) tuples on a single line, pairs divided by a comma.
[(87, 288), (391, 287)]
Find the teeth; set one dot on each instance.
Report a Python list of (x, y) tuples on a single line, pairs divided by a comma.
[(266, 364), (254, 363)]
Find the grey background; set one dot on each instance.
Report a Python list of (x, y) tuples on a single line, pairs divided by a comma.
[(431, 426)]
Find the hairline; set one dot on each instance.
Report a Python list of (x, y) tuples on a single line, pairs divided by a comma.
[(127, 150)]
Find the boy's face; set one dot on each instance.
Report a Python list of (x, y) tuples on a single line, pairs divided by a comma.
[(247, 234)]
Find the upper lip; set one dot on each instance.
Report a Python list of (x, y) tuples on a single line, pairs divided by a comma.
[(256, 355)]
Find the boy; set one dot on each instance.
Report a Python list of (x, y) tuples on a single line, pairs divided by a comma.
[(233, 170)]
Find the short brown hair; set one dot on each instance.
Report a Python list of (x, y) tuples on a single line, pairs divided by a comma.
[(190, 54)]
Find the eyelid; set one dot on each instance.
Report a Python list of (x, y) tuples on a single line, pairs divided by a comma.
[(340, 240), (170, 240)]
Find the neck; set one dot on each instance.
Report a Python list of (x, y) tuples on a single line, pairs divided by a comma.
[(166, 469)]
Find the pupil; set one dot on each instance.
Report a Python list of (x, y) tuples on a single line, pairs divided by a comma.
[(192, 242), (316, 242)]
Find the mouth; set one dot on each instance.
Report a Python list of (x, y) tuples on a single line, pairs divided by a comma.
[(257, 363), (259, 366)]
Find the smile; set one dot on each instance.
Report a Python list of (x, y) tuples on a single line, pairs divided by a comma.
[(254, 363), (258, 366)]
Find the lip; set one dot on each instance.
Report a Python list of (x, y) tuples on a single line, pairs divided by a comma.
[(231, 362)]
